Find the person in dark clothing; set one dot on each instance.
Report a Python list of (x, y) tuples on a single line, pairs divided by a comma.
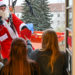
[(51, 60), (19, 63)]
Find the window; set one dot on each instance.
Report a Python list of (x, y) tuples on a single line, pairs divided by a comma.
[(58, 22), (69, 34), (58, 15), (68, 23), (70, 18)]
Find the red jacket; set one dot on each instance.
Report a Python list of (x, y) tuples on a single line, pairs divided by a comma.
[(5, 40), (18, 24), (6, 37)]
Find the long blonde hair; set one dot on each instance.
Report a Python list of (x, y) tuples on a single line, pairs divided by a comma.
[(50, 42)]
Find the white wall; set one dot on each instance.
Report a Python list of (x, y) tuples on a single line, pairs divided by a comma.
[(58, 19), (18, 15)]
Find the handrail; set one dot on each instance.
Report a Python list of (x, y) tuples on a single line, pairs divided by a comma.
[(69, 51)]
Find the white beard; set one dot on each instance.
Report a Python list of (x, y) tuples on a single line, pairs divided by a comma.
[(4, 14)]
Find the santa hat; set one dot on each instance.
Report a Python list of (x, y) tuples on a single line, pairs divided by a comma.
[(2, 3)]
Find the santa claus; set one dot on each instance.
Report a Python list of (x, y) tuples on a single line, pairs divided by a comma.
[(19, 26), (7, 33)]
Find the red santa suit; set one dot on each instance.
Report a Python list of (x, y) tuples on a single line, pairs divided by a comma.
[(18, 24), (6, 36)]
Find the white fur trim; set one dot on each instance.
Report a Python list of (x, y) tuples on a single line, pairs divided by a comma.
[(4, 37), (23, 24), (11, 32)]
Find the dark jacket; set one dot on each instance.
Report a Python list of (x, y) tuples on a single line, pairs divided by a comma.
[(43, 57)]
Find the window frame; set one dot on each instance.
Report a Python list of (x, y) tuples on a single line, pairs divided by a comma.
[(67, 30)]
